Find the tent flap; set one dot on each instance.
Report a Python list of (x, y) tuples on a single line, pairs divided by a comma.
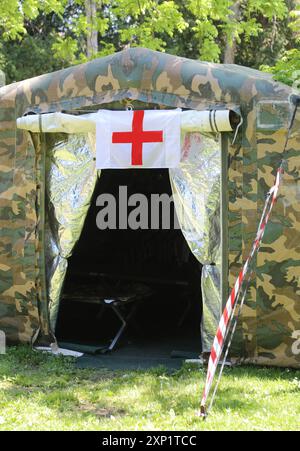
[(196, 188), (70, 182)]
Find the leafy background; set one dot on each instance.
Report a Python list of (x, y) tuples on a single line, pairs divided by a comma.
[(39, 36)]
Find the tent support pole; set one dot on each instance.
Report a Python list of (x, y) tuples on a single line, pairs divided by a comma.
[(43, 308), (224, 219)]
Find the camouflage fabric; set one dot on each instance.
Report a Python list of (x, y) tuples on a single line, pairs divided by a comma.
[(270, 322)]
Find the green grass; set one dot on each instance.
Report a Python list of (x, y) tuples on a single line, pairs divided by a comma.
[(44, 392)]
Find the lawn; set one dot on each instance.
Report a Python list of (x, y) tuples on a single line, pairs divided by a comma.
[(45, 392)]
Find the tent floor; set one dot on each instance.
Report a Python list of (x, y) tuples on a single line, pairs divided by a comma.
[(169, 353)]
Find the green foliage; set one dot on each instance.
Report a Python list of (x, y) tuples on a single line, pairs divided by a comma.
[(39, 36), (29, 57), (295, 19), (65, 49), (147, 23), (14, 13), (271, 43), (70, 46), (287, 68), (215, 21)]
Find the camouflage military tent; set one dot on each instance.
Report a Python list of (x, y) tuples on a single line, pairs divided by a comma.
[(269, 330)]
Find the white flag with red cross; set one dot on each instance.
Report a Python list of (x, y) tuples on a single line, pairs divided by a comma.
[(138, 139)]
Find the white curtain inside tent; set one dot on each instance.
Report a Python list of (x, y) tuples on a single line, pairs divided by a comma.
[(196, 185)]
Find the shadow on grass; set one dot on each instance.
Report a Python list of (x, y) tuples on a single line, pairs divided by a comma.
[(262, 372), (53, 382)]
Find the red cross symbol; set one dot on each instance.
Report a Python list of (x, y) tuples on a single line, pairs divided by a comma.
[(137, 137)]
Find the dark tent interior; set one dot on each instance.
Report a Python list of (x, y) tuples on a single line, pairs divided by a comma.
[(152, 270)]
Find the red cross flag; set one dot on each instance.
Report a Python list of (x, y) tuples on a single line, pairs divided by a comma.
[(138, 139)]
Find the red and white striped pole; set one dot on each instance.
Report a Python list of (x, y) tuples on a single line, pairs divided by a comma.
[(228, 312)]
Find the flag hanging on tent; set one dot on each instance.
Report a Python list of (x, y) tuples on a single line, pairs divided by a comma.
[(138, 139)]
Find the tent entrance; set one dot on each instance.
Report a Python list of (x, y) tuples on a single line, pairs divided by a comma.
[(168, 265), (149, 274)]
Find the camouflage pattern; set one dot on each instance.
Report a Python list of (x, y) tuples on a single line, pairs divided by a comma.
[(271, 318)]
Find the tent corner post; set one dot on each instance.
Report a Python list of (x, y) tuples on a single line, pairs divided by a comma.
[(42, 285), (224, 219)]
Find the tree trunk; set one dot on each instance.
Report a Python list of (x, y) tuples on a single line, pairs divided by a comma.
[(2, 78), (230, 49), (92, 32), (296, 20)]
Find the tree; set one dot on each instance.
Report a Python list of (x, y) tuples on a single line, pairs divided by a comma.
[(83, 36), (146, 23), (231, 41), (101, 27), (287, 68), (30, 53), (91, 28), (230, 22), (45, 35), (14, 13), (21, 55)]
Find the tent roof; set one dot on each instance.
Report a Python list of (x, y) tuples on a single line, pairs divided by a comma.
[(141, 73)]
